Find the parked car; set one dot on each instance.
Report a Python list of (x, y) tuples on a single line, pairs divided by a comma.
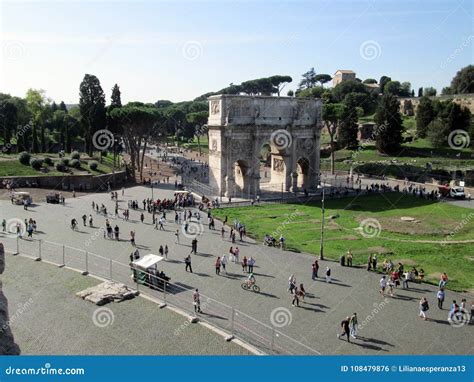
[(53, 197), (19, 198)]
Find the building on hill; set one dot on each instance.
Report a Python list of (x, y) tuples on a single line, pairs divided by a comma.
[(343, 75)]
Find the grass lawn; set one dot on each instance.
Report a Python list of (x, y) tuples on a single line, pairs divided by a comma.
[(15, 168), (396, 239), (10, 166), (193, 145), (418, 154)]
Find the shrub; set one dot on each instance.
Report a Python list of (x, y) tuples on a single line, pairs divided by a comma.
[(93, 165), (48, 161), (75, 163), (36, 163), (75, 155), (60, 166), (24, 158), (65, 162)]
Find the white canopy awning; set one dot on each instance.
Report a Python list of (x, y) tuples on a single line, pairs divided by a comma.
[(147, 261)]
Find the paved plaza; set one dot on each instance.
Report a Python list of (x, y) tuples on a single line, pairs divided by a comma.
[(47, 318), (387, 326)]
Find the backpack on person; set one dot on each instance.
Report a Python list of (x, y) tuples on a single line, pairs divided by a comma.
[(425, 306)]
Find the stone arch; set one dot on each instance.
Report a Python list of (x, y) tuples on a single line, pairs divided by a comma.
[(302, 171), (242, 176)]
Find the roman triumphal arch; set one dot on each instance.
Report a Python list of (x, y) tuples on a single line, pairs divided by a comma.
[(239, 126)]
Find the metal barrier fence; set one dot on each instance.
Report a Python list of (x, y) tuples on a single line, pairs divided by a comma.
[(232, 321)]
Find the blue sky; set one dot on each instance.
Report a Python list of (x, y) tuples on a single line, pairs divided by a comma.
[(178, 50)]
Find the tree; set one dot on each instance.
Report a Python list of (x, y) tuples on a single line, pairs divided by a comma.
[(447, 90), (463, 81), (437, 133), (389, 124), (24, 124), (424, 115), (315, 92), (429, 92), (62, 106), (8, 122), (349, 128), (322, 78), (405, 89), (92, 107), (279, 82), (36, 103), (115, 98), (140, 123), (413, 92), (420, 92), (345, 87), (370, 81), (290, 93), (392, 87), (455, 116), (383, 81), (199, 121), (332, 118), (309, 79)]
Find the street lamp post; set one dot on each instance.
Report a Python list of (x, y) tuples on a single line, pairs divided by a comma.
[(321, 248)]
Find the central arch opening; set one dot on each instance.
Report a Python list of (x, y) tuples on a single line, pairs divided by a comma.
[(241, 176), (302, 169)]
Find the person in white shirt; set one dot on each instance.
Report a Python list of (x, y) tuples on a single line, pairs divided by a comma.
[(383, 285)]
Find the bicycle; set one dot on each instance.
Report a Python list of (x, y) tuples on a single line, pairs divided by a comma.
[(250, 286)]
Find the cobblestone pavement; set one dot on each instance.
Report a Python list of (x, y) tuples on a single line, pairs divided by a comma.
[(387, 326), (47, 318)]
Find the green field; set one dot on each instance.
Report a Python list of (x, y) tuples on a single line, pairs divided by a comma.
[(417, 154), (10, 166), (440, 223)]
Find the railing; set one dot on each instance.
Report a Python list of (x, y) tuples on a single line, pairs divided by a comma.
[(230, 320)]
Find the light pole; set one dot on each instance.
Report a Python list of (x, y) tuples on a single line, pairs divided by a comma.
[(321, 248)]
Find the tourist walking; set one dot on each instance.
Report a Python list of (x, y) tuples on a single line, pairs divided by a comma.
[(353, 325), (250, 264), (349, 258), (176, 236), (302, 292), (84, 219), (291, 283), (369, 263), (454, 309), (236, 254), (383, 285), (197, 301), (132, 238), (194, 244), (314, 270), (440, 296), (328, 275), (423, 308), (244, 264), (187, 262), (224, 262), (295, 297), (166, 252), (218, 265), (345, 329)]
